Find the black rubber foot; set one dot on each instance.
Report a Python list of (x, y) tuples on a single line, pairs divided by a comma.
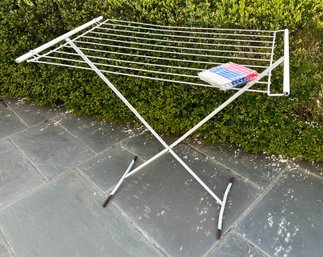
[(135, 158), (231, 180), (107, 201), (218, 234)]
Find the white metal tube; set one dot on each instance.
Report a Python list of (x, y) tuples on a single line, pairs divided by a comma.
[(224, 201), (135, 75), (278, 94), (56, 40), (170, 52), (105, 203), (177, 41), (176, 47), (124, 74), (177, 27), (286, 83), (160, 58), (145, 70), (133, 62), (227, 190), (187, 37), (63, 45), (125, 67), (188, 31), (62, 64), (124, 175)]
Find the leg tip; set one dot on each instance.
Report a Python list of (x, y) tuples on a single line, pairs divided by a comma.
[(231, 180), (218, 234), (107, 201)]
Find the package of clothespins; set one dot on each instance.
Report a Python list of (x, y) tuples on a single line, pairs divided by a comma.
[(228, 75)]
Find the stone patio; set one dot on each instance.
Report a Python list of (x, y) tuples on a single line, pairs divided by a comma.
[(56, 169)]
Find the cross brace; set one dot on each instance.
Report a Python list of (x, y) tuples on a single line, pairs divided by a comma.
[(169, 148)]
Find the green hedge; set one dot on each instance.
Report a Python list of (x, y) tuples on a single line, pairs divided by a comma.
[(291, 126)]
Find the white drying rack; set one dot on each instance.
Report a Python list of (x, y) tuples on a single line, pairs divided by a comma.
[(171, 54)]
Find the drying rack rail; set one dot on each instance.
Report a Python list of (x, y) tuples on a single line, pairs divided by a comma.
[(170, 54), (164, 53)]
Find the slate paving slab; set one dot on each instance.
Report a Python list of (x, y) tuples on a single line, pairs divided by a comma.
[(217, 178), (51, 148), (288, 221), (66, 219), (145, 145), (31, 113), (315, 167), (17, 174), (97, 134), (235, 246), (106, 169), (165, 201), (260, 169), (4, 252), (9, 122)]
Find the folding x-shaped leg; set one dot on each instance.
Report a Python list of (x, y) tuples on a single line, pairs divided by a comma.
[(169, 148)]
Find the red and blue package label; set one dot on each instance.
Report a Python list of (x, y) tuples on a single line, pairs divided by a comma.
[(228, 75)]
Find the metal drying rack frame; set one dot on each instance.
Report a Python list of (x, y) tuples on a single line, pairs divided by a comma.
[(170, 54)]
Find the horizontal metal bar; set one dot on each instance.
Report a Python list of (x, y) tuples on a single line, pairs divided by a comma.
[(60, 64), (177, 47), (179, 42), (56, 40), (278, 94), (168, 52), (186, 37), (202, 28), (125, 67), (263, 82), (124, 74), (125, 61), (162, 58), (188, 32), (132, 75), (132, 62), (63, 45), (252, 90), (130, 68)]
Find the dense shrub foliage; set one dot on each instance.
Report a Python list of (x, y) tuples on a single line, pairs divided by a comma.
[(291, 126)]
